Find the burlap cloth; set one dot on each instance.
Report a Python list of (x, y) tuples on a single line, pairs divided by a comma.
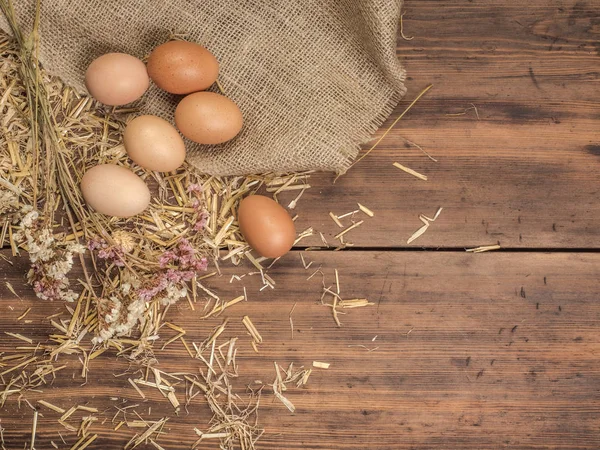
[(313, 78)]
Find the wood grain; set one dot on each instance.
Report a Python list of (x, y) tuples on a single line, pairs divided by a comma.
[(525, 174), (473, 351)]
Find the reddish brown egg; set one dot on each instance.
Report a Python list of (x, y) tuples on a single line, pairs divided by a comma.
[(266, 226), (182, 67), (208, 118)]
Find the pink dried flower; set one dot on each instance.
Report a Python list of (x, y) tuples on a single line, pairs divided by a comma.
[(179, 266), (195, 187), (160, 284), (184, 256), (201, 215), (114, 254), (96, 243), (201, 222), (166, 258)]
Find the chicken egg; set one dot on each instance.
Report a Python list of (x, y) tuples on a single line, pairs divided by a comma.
[(114, 190), (208, 118), (116, 79), (266, 226), (182, 67), (154, 144)]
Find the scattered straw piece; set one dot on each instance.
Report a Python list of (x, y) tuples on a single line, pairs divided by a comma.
[(355, 303), (420, 148), (252, 330), (350, 228), (211, 435), (321, 365), (350, 213), (294, 202), (87, 408), (473, 107), (304, 234), (51, 406), (366, 210), (160, 387), (87, 443), (19, 336), (304, 264), (220, 308), (12, 289), (135, 386), (410, 171), (24, 314), (173, 399), (426, 222), (364, 155), (402, 29), (158, 447), (484, 248), (335, 219), (34, 429)]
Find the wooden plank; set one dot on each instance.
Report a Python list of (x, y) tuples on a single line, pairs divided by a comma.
[(472, 351), (525, 174)]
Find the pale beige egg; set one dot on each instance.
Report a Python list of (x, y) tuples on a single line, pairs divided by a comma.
[(116, 79), (114, 190), (154, 144)]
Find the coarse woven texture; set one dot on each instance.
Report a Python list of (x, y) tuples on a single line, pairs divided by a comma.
[(313, 78)]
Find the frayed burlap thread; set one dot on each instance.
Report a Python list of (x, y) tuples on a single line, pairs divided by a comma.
[(314, 78)]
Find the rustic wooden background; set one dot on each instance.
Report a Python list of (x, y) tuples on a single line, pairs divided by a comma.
[(489, 350)]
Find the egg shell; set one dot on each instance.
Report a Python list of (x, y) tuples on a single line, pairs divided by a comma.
[(208, 118), (114, 190), (116, 79), (182, 67), (154, 143), (266, 226)]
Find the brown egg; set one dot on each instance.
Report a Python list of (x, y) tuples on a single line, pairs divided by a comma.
[(266, 226), (116, 79), (114, 190), (182, 67), (154, 144), (208, 118)]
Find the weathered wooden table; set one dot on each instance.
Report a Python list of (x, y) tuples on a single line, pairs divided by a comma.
[(491, 350)]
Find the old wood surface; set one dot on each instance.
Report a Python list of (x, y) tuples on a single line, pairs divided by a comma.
[(473, 351), (525, 173)]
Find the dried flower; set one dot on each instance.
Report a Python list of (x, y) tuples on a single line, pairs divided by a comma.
[(122, 311), (124, 240), (201, 216), (179, 266), (183, 256), (195, 188), (50, 263), (201, 221), (111, 253), (9, 202)]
